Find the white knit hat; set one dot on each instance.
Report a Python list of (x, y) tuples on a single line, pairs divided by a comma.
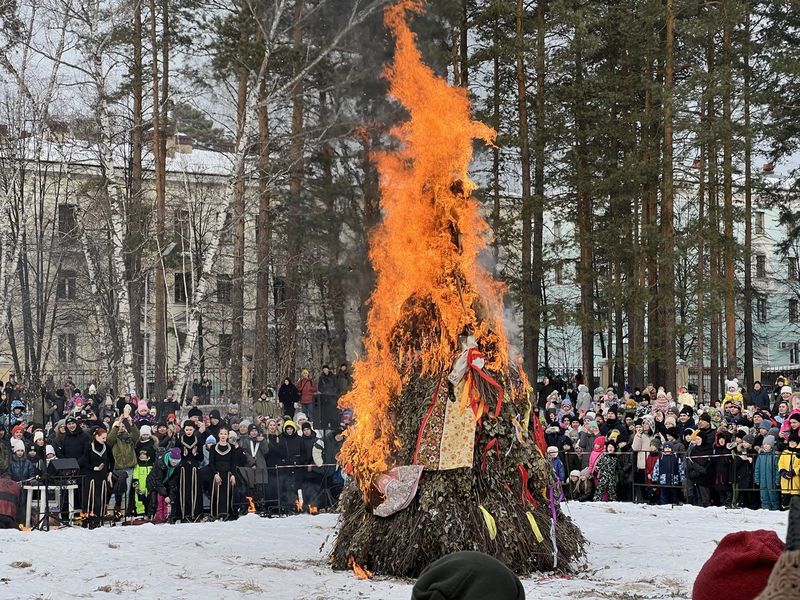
[(145, 430), (17, 445), (786, 389)]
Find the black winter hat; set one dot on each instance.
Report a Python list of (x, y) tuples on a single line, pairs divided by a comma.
[(214, 414), (672, 431), (705, 417), (196, 412), (687, 410), (467, 576)]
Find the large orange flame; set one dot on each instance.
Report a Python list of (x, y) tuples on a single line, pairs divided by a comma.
[(425, 251)]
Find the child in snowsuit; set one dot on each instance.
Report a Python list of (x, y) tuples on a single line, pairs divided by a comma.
[(145, 459), (789, 470), (766, 475), (606, 474), (667, 472)]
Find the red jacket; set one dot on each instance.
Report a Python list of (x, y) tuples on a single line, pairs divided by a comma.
[(307, 389)]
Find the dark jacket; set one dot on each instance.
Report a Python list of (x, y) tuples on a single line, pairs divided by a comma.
[(327, 385), (225, 461), (760, 398), (163, 478), (191, 449), (288, 395), (73, 445), (21, 469), (293, 450)]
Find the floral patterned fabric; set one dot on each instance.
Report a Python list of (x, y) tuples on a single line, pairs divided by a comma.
[(447, 433)]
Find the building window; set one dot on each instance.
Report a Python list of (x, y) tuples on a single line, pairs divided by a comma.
[(66, 347), (761, 309), (793, 310), (794, 355), (759, 223), (793, 268), (224, 288), (183, 287), (67, 221), (761, 266), (182, 226), (557, 231), (559, 273), (224, 348), (65, 290), (226, 235)]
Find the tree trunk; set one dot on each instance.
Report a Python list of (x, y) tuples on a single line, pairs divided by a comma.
[(463, 45), (537, 258), (748, 216), (261, 348), (288, 355), (527, 291), (666, 269), (159, 166), (727, 183), (584, 221), (650, 234), (136, 209), (496, 102), (238, 218), (713, 231)]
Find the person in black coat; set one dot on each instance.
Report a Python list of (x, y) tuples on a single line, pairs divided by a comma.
[(190, 501), (293, 453), (288, 395), (97, 466), (699, 462), (223, 461)]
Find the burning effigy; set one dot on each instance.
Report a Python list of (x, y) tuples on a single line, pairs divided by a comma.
[(446, 453)]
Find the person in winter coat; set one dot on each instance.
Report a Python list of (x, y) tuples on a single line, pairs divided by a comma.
[(20, 468), (256, 449), (584, 402), (766, 476), (700, 472), (568, 455), (164, 481), (744, 458), (293, 453), (312, 480), (266, 407), (667, 472), (641, 447), (190, 501), (625, 469), (586, 439), (288, 395), (555, 462), (122, 440), (146, 453), (96, 465), (344, 382), (215, 423), (44, 409), (326, 384), (598, 449), (571, 488), (721, 468), (789, 470), (606, 474), (307, 389), (224, 461), (759, 396)]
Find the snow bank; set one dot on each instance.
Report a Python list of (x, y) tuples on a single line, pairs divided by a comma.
[(639, 552)]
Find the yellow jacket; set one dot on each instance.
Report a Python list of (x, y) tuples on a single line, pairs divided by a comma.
[(789, 461)]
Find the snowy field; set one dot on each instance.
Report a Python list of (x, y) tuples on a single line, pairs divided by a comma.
[(635, 552)]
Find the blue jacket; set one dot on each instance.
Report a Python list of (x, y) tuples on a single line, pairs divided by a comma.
[(21, 469), (558, 467), (669, 470), (766, 471)]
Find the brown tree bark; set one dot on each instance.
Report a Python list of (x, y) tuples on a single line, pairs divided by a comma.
[(527, 291), (136, 210), (666, 269), (537, 267), (288, 340), (261, 346), (748, 215), (159, 166), (727, 184), (238, 216)]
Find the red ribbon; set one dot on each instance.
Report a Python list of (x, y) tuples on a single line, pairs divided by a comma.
[(526, 493), (538, 434), (473, 354), (492, 444)]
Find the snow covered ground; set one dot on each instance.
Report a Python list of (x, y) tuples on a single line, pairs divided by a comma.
[(635, 552)]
